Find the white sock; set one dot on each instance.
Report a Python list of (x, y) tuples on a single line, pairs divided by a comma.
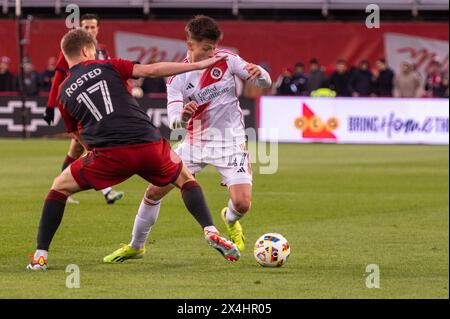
[(39, 253), (146, 217), (211, 229), (232, 215), (106, 190)]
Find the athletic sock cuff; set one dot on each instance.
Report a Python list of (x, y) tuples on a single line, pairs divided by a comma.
[(69, 160), (151, 202), (56, 196), (232, 209), (189, 185)]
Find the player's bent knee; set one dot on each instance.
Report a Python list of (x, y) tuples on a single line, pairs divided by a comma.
[(154, 193), (56, 183), (66, 184), (242, 205), (184, 177), (59, 185)]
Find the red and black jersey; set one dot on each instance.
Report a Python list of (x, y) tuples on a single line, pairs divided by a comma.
[(61, 71), (94, 100)]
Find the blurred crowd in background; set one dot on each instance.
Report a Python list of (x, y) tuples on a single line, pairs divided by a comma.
[(312, 79), (362, 81)]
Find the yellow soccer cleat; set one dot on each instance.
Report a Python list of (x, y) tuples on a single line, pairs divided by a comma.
[(123, 253), (234, 231)]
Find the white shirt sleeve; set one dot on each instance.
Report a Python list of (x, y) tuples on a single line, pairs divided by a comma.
[(175, 101), (237, 65)]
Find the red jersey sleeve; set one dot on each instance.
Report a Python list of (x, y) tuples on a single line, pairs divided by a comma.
[(61, 70), (69, 120), (123, 67)]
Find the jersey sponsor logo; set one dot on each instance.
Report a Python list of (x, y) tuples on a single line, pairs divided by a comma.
[(189, 86), (216, 73), (208, 94), (81, 80)]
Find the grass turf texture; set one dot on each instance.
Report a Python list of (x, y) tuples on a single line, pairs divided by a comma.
[(341, 207)]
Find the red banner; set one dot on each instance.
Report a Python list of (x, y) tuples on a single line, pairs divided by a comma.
[(274, 43)]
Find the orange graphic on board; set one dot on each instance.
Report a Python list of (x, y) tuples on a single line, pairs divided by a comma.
[(313, 126)]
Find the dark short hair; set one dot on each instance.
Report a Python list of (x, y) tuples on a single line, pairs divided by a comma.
[(382, 60), (203, 27), (313, 61), (74, 41), (90, 16), (299, 65)]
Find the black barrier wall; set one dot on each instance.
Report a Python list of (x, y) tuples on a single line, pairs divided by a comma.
[(11, 116)]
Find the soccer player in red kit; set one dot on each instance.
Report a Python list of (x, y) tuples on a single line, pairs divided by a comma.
[(90, 23), (101, 113)]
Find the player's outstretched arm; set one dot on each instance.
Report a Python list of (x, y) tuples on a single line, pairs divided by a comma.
[(258, 76), (171, 68)]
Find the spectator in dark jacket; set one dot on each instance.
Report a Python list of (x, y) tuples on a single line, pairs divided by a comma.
[(30, 78), (46, 77), (383, 79), (361, 80), (340, 79), (317, 78), (300, 79), (285, 84), (8, 81)]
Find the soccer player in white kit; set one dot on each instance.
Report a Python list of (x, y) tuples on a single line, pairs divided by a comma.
[(206, 104)]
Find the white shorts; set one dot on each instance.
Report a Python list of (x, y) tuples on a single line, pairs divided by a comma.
[(232, 163)]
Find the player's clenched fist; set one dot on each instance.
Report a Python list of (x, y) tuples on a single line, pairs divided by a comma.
[(253, 71), (188, 111)]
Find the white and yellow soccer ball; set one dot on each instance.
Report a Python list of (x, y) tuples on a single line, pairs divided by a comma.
[(271, 250)]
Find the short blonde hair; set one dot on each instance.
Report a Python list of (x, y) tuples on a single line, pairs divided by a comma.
[(74, 41)]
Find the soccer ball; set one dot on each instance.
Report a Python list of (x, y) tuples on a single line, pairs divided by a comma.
[(271, 250)]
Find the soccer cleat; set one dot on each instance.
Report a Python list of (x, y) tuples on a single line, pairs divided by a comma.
[(225, 247), (113, 196), (70, 200), (38, 264), (235, 231), (123, 253)]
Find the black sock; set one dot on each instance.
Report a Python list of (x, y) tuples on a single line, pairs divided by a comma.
[(196, 204), (52, 215), (67, 161)]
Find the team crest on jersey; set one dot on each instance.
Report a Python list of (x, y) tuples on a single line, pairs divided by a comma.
[(216, 73)]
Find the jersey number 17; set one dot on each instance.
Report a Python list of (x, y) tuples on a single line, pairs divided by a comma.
[(84, 98)]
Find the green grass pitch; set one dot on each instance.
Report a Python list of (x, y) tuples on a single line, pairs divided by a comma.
[(341, 207)]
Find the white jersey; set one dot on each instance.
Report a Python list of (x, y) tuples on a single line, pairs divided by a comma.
[(218, 121)]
